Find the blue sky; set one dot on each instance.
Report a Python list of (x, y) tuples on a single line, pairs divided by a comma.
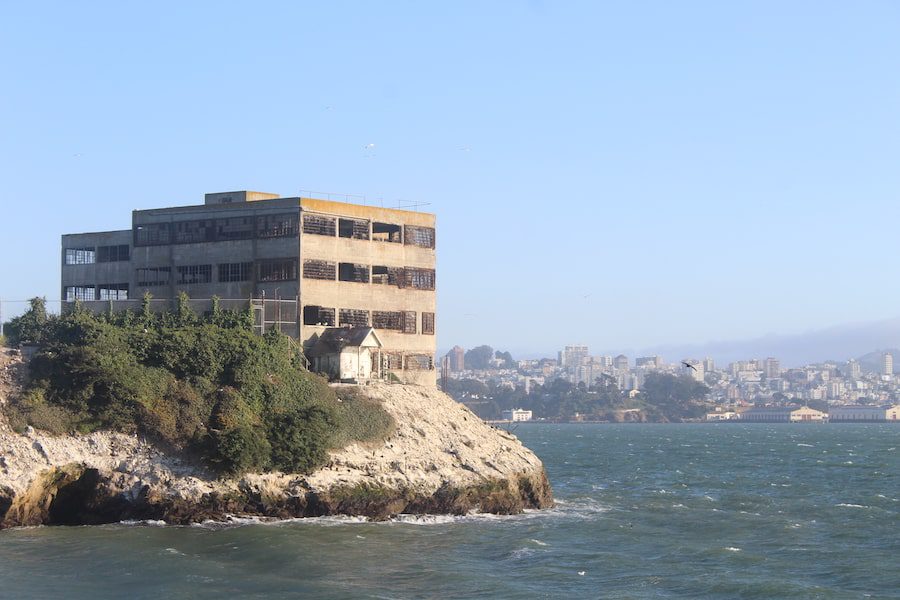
[(617, 174)]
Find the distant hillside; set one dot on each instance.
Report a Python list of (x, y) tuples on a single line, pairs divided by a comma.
[(872, 360)]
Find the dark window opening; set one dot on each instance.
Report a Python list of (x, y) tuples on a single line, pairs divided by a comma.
[(353, 272), (230, 272), (319, 225), (382, 319), (353, 228), (190, 274), (319, 269), (318, 315), (387, 275), (354, 317), (278, 270), (192, 232), (409, 321), (419, 362), (80, 256), (419, 279), (272, 226), (152, 234), (83, 293), (392, 361), (428, 323), (387, 232), (234, 228), (153, 276), (419, 236), (113, 253), (113, 291)]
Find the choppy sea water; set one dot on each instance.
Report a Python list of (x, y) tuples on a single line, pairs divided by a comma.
[(645, 511)]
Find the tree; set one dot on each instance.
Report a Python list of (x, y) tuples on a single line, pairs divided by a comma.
[(479, 358), (28, 328), (507, 359)]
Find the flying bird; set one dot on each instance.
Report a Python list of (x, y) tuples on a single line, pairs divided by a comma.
[(688, 365)]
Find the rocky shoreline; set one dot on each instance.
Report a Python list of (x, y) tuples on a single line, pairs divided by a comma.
[(441, 459)]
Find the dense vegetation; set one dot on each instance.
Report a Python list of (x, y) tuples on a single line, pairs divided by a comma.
[(204, 384), (664, 397)]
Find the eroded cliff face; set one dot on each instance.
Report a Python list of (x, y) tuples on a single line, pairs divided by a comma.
[(441, 459)]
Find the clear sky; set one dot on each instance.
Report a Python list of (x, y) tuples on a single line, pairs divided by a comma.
[(618, 174)]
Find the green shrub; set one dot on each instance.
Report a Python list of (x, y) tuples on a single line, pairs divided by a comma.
[(361, 419)]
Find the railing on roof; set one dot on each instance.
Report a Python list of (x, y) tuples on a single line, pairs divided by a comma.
[(412, 205)]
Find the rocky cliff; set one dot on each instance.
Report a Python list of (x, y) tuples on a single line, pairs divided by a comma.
[(440, 459)]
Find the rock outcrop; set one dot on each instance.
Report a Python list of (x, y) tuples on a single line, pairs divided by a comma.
[(440, 459)]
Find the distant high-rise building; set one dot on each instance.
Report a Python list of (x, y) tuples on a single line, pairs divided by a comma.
[(772, 368), (457, 357), (621, 362), (573, 356), (853, 369), (887, 364), (709, 365), (648, 362), (692, 367)]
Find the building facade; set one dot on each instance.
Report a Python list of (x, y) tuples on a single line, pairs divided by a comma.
[(305, 264)]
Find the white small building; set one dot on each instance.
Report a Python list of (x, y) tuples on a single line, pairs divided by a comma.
[(347, 354), (516, 415)]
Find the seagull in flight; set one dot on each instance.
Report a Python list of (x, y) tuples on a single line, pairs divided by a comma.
[(688, 365)]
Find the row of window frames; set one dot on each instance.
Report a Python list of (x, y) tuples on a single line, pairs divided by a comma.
[(276, 270), (91, 254), (360, 273), (401, 320), (104, 291)]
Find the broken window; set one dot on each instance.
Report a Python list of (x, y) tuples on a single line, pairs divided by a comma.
[(319, 225), (234, 228), (419, 279), (318, 315), (392, 361), (153, 276), (152, 234), (271, 226), (230, 272), (409, 321), (387, 275), (192, 232), (387, 232), (382, 319), (419, 236), (353, 228), (353, 272), (113, 253), (189, 274), (419, 362), (319, 269), (80, 256), (83, 293), (278, 270), (353, 317), (428, 323), (113, 291)]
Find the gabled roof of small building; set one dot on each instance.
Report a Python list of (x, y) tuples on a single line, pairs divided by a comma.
[(335, 339)]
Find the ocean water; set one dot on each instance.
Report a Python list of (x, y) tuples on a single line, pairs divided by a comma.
[(645, 511)]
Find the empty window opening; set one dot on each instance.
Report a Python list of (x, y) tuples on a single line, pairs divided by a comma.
[(419, 236), (353, 228), (419, 279), (192, 232), (234, 228), (428, 323), (153, 276), (83, 293), (392, 361), (319, 269), (80, 256), (152, 234), (354, 317), (382, 319), (319, 225), (113, 253), (190, 274), (419, 362), (387, 232), (272, 226), (113, 291), (409, 321), (387, 275), (318, 315), (353, 272), (278, 270), (230, 272)]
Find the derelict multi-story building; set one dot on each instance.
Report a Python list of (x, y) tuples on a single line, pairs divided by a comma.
[(305, 264)]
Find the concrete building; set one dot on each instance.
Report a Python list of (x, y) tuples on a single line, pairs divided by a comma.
[(853, 369), (803, 414), (695, 370), (516, 415), (457, 356), (772, 368), (887, 364), (303, 265), (621, 363), (856, 414), (573, 356)]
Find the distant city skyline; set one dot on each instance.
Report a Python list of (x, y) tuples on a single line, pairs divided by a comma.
[(630, 177)]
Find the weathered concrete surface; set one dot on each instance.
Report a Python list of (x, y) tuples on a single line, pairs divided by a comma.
[(441, 459)]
